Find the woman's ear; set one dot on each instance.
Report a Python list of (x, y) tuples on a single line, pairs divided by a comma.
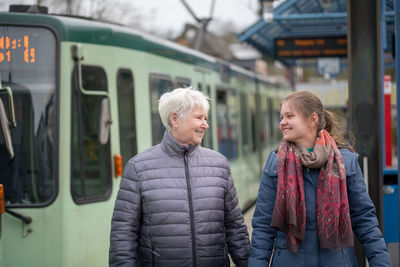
[(314, 119), (173, 120)]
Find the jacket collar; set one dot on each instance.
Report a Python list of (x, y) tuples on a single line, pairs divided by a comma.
[(173, 148)]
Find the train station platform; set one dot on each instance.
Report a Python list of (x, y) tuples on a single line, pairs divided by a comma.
[(248, 216)]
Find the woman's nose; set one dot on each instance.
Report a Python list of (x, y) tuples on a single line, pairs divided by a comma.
[(205, 125)]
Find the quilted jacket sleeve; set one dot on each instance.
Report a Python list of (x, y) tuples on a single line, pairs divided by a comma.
[(126, 221), (363, 218), (263, 237), (237, 237)]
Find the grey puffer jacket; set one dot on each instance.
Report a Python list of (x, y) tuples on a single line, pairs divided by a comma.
[(177, 206)]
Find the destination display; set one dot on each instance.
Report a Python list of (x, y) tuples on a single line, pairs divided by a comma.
[(12, 45), (305, 47), (26, 49)]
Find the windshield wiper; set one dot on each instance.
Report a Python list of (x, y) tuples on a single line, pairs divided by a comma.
[(25, 219), (4, 123)]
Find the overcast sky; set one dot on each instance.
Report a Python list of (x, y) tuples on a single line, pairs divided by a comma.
[(171, 15)]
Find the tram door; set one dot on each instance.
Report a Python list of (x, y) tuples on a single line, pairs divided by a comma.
[(88, 205), (204, 85)]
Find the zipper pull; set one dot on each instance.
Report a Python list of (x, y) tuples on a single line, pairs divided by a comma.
[(155, 253), (185, 155)]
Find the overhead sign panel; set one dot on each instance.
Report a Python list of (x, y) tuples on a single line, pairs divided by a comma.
[(305, 47)]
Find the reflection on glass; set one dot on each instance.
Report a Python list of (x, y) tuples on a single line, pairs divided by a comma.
[(91, 170), (159, 84), (227, 123), (30, 178), (126, 111)]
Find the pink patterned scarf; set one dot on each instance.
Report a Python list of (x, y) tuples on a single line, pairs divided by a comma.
[(333, 216)]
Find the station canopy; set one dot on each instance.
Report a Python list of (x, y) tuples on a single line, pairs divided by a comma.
[(309, 28)]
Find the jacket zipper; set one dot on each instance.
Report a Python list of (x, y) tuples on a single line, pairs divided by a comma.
[(153, 252), (189, 190)]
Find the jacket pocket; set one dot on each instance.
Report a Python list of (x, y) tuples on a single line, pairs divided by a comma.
[(154, 255), (332, 257), (276, 257), (346, 263), (285, 257), (226, 257)]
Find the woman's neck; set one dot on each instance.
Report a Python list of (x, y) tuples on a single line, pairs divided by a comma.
[(306, 143)]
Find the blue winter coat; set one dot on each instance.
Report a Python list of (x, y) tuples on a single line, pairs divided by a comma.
[(267, 240)]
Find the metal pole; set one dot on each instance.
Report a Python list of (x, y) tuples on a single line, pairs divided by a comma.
[(364, 61), (397, 53), (382, 41)]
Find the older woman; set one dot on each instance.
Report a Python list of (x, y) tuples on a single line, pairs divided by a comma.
[(177, 203)]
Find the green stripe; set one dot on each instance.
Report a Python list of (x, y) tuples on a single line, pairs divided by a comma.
[(88, 31)]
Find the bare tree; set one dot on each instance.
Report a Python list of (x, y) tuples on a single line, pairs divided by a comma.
[(119, 11), (123, 12), (102, 9)]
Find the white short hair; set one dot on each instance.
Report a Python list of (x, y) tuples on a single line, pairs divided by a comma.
[(181, 101)]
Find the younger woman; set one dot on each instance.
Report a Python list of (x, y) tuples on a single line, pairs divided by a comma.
[(312, 196)]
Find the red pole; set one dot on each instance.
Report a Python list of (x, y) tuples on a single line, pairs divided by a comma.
[(388, 119)]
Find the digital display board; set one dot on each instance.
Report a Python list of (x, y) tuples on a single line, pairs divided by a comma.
[(305, 47), (27, 50), (11, 45), (28, 55)]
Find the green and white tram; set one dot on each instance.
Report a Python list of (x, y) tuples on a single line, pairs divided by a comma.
[(77, 94)]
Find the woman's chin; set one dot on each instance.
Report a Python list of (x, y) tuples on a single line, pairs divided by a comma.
[(287, 138), (197, 141)]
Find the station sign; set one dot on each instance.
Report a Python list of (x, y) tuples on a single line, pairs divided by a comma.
[(328, 66), (306, 47), (387, 84)]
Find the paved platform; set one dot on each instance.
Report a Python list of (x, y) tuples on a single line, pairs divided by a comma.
[(248, 216)]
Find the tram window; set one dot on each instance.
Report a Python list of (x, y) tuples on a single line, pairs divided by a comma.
[(252, 113), (209, 135), (30, 178), (276, 118), (245, 125), (227, 123), (270, 121), (207, 139), (159, 84), (265, 122), (126, 115), (91, 161), (182, 82), (248, 116)]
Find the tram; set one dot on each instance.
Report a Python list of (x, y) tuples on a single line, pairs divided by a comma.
[(78, 99)]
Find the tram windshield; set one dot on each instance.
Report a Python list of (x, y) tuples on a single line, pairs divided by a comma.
[(28, 67)]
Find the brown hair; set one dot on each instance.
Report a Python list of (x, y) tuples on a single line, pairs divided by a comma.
[(307, 103)]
